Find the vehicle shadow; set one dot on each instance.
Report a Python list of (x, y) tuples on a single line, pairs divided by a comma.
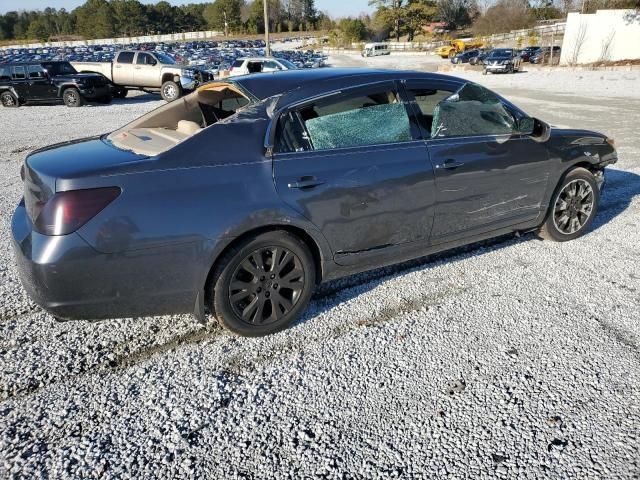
[(621, 188), (140, 98)]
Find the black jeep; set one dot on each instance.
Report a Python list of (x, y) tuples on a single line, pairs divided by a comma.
[(50, 82)]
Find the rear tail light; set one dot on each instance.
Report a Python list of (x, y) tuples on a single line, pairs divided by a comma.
[(66, 212)]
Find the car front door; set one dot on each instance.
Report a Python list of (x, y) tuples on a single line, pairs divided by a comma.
[(488, 176), (145, 72), (40, 86), (352, 163)]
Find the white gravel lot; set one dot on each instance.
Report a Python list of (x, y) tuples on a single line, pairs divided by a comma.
[(514, 359)]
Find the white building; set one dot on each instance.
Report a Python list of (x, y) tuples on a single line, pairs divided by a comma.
[(606, 35)]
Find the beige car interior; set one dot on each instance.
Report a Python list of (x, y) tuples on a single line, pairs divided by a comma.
[(171, 124)]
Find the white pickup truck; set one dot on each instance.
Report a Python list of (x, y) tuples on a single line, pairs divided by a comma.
[(141, 70)]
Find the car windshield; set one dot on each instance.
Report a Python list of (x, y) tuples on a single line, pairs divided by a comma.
[(165, 59), (287, 64), (59, 68), (501, 52)]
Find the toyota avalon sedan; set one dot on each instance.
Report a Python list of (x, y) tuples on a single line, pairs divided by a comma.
[(243, 196)]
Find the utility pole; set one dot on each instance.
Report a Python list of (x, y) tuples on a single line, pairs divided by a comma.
[(226, 24), (267, 49)]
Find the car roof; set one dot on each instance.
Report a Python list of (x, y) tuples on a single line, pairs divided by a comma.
[(265, 85)]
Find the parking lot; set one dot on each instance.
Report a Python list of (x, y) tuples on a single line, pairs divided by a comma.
[(516, 358)]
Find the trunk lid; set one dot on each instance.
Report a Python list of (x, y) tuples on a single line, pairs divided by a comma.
[(44, 170)]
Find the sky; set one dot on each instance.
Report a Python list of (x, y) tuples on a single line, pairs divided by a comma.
[(335, 8)]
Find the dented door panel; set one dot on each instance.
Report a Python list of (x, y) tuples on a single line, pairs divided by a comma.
[(364, 198), (486, 182)]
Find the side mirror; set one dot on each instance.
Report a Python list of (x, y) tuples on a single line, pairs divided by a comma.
[(526, 126), (538, 130)]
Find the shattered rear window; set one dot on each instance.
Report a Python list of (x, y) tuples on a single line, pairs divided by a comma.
[(373, 125)]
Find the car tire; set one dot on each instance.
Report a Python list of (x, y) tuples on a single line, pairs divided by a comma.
[(248, 294), (72, 98), (573, 207), (120, 93), (170, 91), (9, 100), (484, 71)]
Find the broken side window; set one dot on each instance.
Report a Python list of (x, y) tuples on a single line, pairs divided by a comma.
[(370, 119), (473, 110)]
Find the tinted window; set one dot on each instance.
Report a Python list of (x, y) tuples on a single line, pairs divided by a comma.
[(59, 68), (5, 73), (473, 110), (373, 119), (18, 73), (165, 59), (36, 71), (237, 63), (125, 57), (145, 59)]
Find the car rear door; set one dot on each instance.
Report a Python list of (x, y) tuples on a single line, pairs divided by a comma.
[(487, 175), (123, 69), (354, 165)]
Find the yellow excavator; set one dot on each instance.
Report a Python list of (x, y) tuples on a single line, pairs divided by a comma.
[(458, 46)]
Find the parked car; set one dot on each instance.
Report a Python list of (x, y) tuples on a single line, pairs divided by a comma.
[(505, 60), (544, 56), (465, 57), (313, 175), (528, 52), (479, 59), (246, 66), (50, 82), (147, 70)]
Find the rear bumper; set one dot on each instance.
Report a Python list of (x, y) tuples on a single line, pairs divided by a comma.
[(68, 278)]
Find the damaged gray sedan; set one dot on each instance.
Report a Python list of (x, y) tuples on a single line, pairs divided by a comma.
[(243, 196)]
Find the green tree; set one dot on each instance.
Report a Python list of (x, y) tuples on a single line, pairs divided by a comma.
[(392, 13), (38, 30), (130, 17), (417, 14), (214, 14), (255, 22), (352, 30), (95, 19)]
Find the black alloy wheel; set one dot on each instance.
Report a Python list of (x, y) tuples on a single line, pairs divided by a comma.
[(266, 285), (263, 284), (573, 207)]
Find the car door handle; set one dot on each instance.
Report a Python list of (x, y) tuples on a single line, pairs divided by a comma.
[(451, 164), (306, 182)]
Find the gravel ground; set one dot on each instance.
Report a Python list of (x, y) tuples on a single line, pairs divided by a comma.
[(514, 359)]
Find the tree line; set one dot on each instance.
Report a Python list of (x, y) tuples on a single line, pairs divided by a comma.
[(115, 18), (391, 18), (404, 19)]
